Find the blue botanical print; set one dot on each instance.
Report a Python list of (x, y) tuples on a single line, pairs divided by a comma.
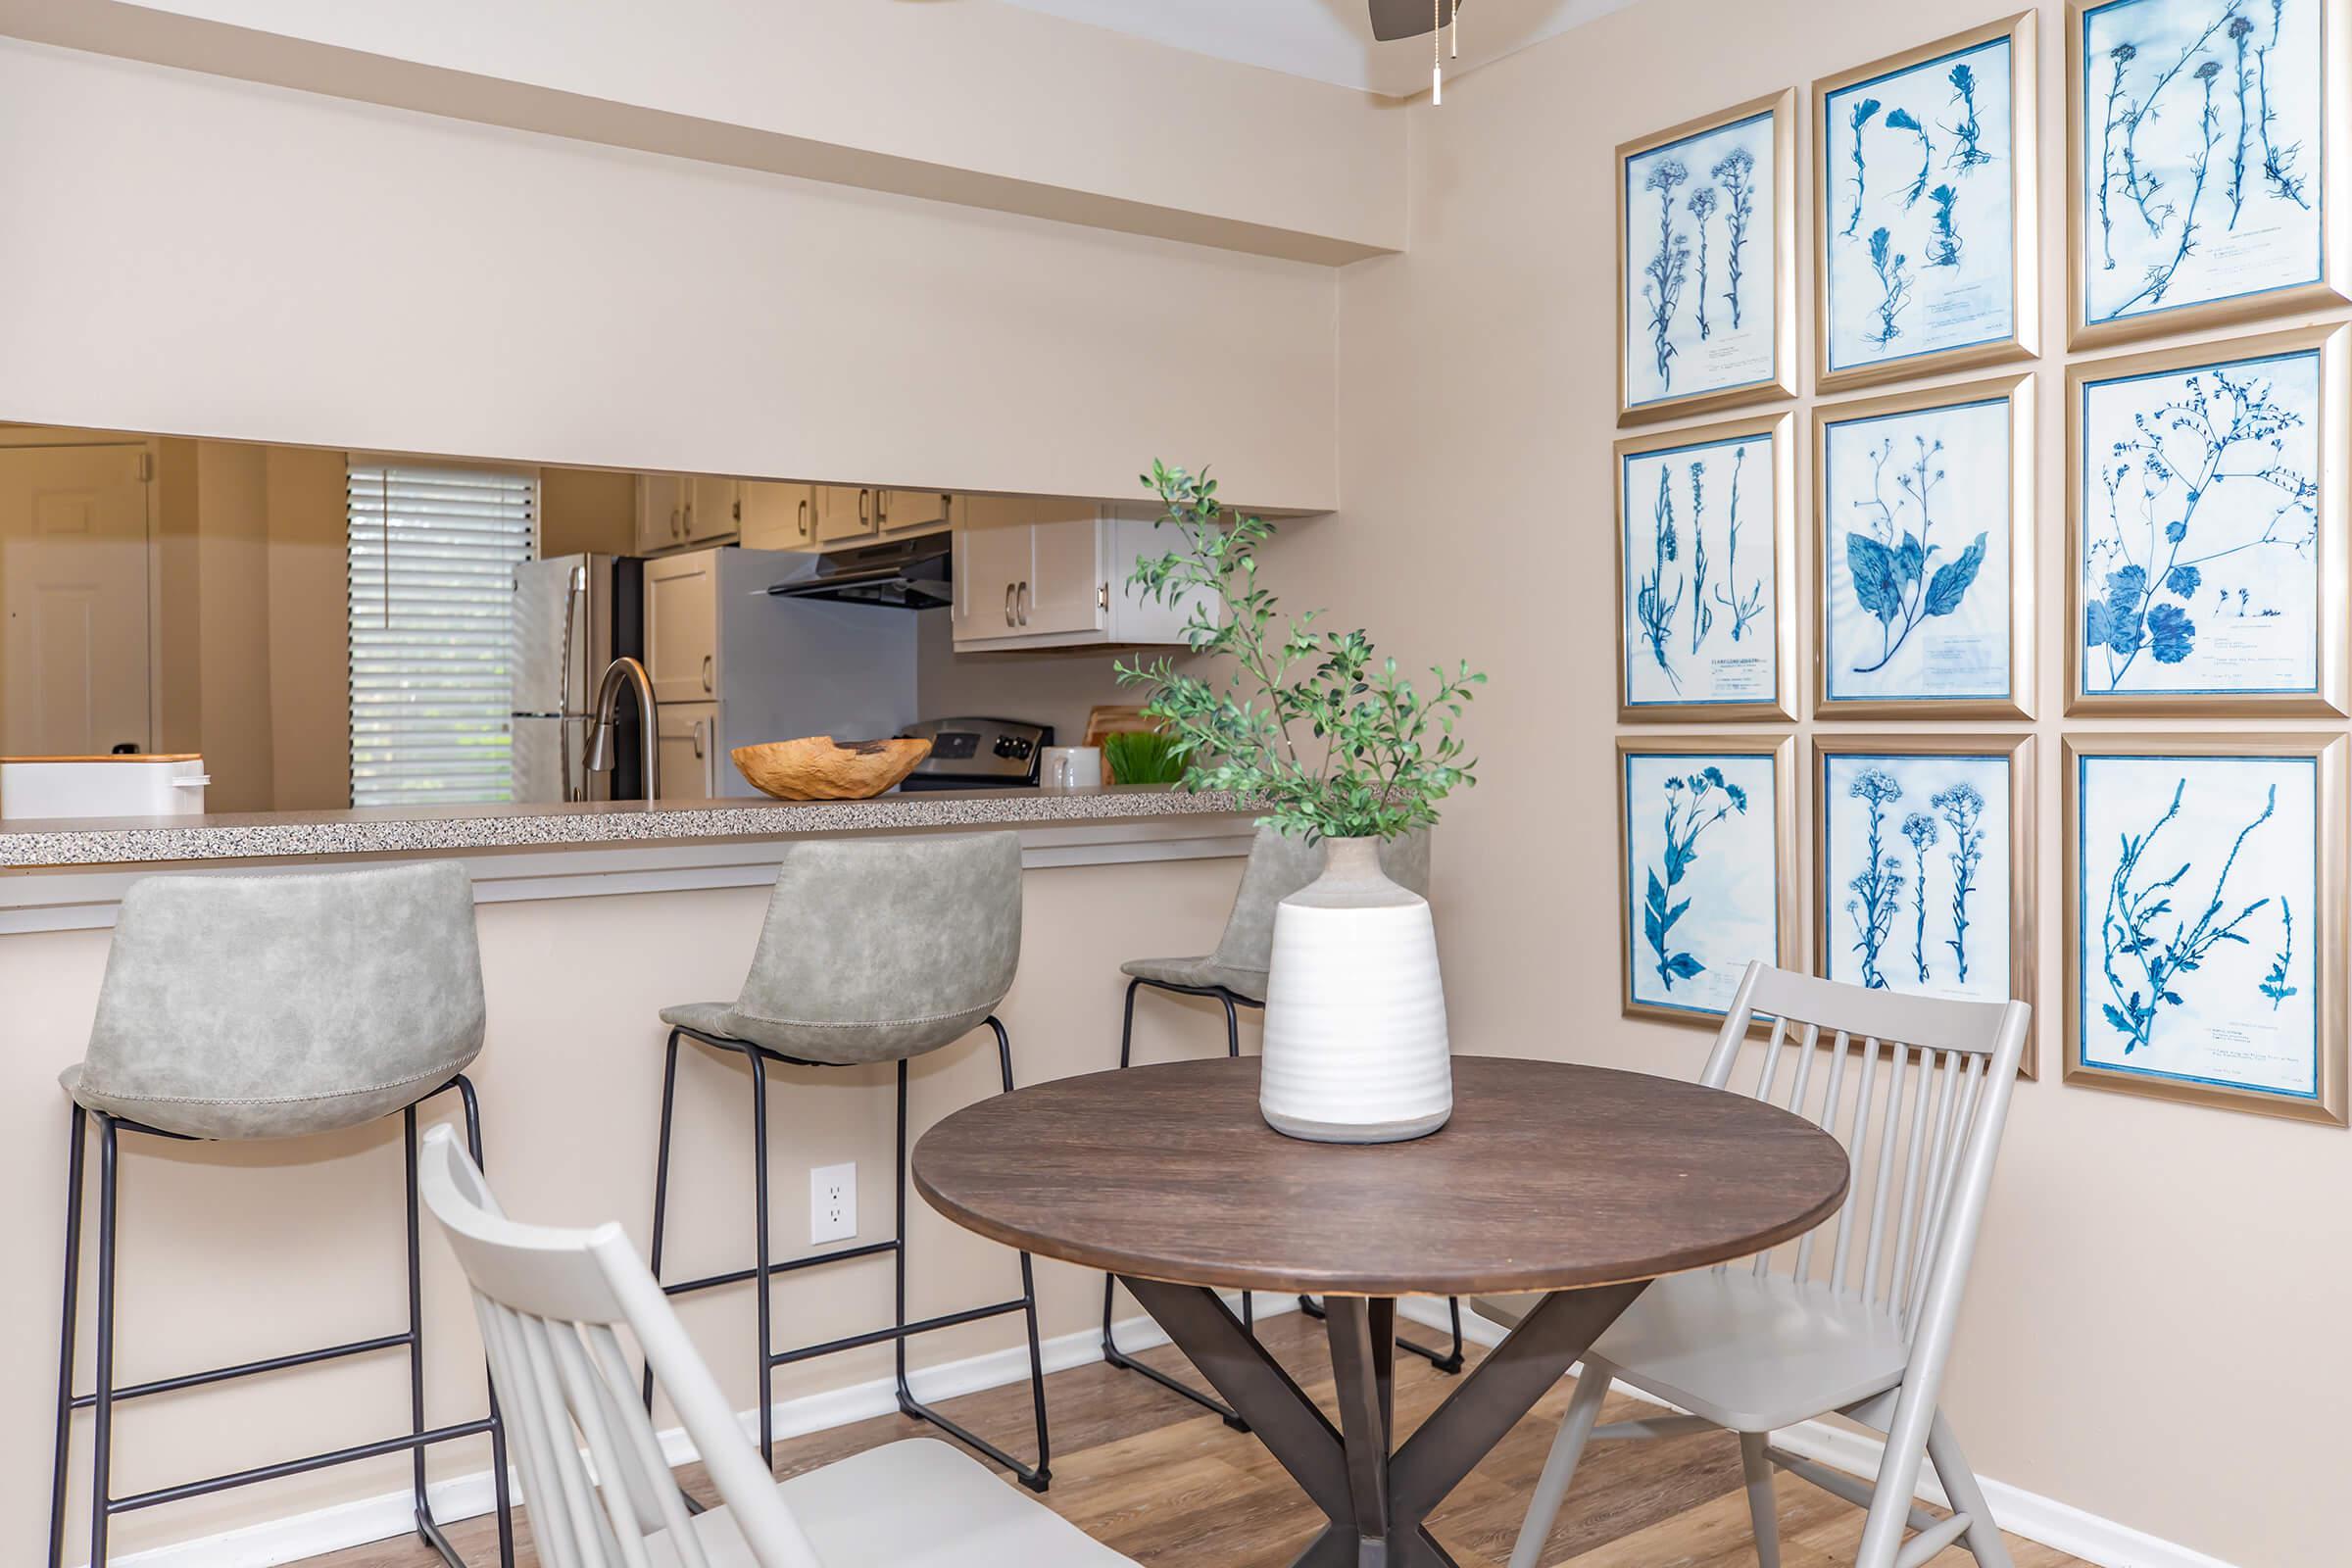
[(2117, 114), (1735, 172), (1860, 116), (1920, 828), (1694, 804), (2139, 183), (1904, 120), (1650, 605), (1667, 268), (1890, 562), (1894, 285), (2161, 272), (2130, 937), (2241, 27), (1702, 613), (1880, 886), (2274, 985), (2181, 455), (1963, 807), (1943, 246), (2278, 162), (1702, 208), (1969, 151), (1745, 605)]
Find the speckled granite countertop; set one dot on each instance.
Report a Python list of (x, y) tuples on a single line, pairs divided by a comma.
[(145, 840)]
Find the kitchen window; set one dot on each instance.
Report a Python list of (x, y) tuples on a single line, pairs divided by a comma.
[(432, 551)]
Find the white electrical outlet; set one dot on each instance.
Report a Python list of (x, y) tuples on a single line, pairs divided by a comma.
[(832, 1204)]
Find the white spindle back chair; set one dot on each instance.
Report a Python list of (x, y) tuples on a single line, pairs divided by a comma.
[(550, 1301), (1859, 1312)]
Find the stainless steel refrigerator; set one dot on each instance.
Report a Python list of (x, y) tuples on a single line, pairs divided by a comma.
[(573, 615)]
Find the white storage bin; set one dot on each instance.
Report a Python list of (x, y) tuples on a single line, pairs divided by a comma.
[(133, 785)]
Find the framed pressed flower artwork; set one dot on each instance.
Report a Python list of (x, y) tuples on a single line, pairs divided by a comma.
[(1707, 567), (1706, 851), (2205, 528), (2202, 139), (1923, 865), (1924, 230), (1924, 535), (2205, 919), (1706, 263)]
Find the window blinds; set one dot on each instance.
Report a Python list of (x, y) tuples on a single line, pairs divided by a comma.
[(432, 553)]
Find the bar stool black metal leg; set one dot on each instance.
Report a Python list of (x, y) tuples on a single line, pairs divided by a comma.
[(1035, 1477), (760, 1272), (65, 1342), (501, 1484), (422, 1508), (102, 1426), (1232, 1052), (1110, 1345), (669, 1099)]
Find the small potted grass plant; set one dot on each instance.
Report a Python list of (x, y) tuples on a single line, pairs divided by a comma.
[(1336, 747)]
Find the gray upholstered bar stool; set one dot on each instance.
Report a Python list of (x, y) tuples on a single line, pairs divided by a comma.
[(873, 951), (1234, 974), (271, 1006)]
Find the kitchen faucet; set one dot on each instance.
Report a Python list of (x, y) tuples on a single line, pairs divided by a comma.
[(607, 714)]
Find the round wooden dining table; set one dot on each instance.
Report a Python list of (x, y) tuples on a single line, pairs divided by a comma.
[(1578, 1182)]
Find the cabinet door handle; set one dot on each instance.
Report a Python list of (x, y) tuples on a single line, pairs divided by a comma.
[(1023, 602), (1008, 604), (881, 508), (862, 496), (803, 517), (697, 738), (677, 526), (707, 671)]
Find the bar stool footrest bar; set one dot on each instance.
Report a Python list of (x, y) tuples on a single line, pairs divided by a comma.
[(738, 1276), (884, 1336), (275, 1364), (295, 1467), (1027, 1475), (1207, 1402)]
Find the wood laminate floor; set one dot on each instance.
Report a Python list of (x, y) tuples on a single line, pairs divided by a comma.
[(1166, 1482)]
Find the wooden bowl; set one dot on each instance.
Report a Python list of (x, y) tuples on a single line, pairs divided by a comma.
[(818, 767)]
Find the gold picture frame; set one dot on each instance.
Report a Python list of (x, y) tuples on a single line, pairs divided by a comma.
[(2333, 285), (1780, 707), (2329, 697), (1789, 931), (1779, 245), (2017, 748), (2018, 702), (2325, 939), (2024, 246)]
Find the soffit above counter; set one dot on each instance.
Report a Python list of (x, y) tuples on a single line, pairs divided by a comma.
[(977, 103)]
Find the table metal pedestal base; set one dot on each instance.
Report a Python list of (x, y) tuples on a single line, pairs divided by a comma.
[(1376, 1492)]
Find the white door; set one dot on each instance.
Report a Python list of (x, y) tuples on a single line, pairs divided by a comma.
[(1065, 590), (73, 580), (681, 627), (688, 737), (992, 561)]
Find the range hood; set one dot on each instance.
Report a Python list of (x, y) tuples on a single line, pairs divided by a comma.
[(904, 574)]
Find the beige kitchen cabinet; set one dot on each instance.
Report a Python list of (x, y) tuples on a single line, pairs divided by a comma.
[(713, 510), (681, 627), (902, 513), (660, 511), (843, 512), (778, 515), (1036, 572), (687, 734)]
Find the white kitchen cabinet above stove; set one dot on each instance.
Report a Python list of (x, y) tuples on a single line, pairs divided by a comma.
[(1034, 572)]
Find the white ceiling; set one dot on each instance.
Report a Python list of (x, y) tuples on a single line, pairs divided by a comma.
[(1327, 41)]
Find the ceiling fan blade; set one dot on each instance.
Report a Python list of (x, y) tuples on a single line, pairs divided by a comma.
[(1407, 18)]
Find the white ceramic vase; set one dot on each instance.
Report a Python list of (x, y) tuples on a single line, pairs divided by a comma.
[(1355, 1045)]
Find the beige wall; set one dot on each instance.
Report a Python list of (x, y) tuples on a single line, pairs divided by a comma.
[(236, 1251), (452, 288), (2155, 1332)]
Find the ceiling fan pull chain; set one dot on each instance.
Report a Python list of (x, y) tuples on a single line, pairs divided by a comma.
[(1437, 52), (1455, 43)]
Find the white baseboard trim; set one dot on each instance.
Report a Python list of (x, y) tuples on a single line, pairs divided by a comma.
[(2052, 1523), (2102, 1541), (468, 1496)]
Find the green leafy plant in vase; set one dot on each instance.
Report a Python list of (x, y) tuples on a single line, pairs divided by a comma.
[(1334, 746)]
